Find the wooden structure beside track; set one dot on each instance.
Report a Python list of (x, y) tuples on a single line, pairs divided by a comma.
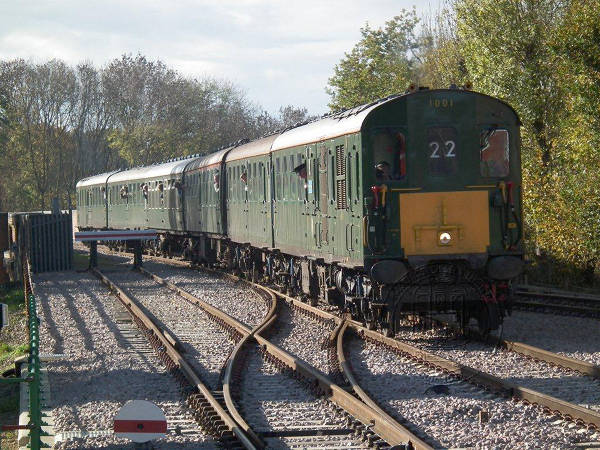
[(44, 238), (131, 237)]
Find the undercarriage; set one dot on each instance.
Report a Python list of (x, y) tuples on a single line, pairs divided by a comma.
[(437, 287)]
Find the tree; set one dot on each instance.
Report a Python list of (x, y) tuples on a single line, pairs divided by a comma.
[(290, 116), (59, 124), (507, 53), (442, 62), (542, 57), (380, 64)]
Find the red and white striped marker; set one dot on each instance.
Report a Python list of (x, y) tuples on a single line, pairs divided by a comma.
[(140, 421)]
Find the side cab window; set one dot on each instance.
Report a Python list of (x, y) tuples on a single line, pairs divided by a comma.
[(389, 154), (494, 153)]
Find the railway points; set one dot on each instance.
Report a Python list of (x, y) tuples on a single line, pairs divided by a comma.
[(171, 289), (321, 314)]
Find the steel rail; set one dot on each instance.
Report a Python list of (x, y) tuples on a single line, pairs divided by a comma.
[(578, 365), (177, 359), (247, 335), (488, 381), (384, 426), (557, 308), (541, 291), (548, 403), (537, 353), (349, 374)]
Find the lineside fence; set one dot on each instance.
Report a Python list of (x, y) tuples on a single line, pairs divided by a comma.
[(32, 378), (45, 239)]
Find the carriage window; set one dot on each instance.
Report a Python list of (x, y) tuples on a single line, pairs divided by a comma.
[(300, 170), (389, 154), (442, 151), (494, 153)]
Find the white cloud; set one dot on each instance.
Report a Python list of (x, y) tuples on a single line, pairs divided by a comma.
[(280, 52)]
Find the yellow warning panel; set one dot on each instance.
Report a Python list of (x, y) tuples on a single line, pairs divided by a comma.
[(441, 223)]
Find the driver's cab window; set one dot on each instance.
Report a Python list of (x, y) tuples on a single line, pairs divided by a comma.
[(389, 154), (494, 153)]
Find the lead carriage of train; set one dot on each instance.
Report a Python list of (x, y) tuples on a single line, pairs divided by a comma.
[(408, 205)]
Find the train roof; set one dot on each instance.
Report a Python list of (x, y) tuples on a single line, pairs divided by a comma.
[(167, 169), (259, 147), (95, 179), (351, 120), (328, 127), (209, 160)]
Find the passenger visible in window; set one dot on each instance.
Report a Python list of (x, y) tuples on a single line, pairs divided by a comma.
[(216, 181), (145, 191), (389, 152), (382, 171), (301, 171)]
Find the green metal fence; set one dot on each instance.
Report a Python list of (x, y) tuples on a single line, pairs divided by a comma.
[(33, 378)]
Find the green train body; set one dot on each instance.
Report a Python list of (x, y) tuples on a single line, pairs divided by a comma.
[(408, 204)]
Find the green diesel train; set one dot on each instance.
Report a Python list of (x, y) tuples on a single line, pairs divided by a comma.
[(408, 205)]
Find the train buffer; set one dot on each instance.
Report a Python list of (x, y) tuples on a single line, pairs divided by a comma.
[(133, 238)]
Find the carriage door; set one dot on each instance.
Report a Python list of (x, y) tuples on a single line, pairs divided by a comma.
[(245, 178), (262, 196), (88, 193), (178, 192), (323, 199)]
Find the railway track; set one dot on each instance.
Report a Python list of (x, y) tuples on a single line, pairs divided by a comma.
[(452, 331), (556, 301), (208, 404), (361, 426), (449, 372), (100, 361), (445, 367)]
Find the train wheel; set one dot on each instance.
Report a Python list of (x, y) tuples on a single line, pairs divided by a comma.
[(488, 318), (388, 328), (463, 317)]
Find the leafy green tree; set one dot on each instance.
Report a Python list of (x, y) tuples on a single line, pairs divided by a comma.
[(3, 117), (442, 62), (380, 64), (506, 49), (60, 123)]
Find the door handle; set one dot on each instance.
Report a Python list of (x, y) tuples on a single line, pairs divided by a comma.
[(349, 247)]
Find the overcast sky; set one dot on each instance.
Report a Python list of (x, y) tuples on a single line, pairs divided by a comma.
[(278, 52)]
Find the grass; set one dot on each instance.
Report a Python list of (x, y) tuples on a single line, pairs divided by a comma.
[(13, 343), (13, 340)]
